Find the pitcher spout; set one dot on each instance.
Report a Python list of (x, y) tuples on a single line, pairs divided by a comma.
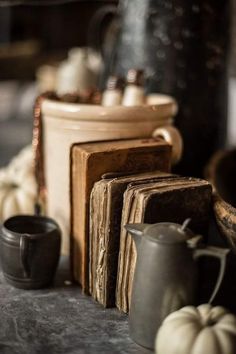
[(136, 231)]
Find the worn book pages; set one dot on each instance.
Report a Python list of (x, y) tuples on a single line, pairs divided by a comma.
[(129, 216), (106, 203), (174, 201), (136, 204), (89, 161)]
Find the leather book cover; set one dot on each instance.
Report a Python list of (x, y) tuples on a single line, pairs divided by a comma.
[(130, 214), (89, 161), (173, 202), (133, 211), (106, 204)]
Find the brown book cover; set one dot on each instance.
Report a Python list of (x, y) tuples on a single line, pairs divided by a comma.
[(174, 201), (106, 203), (89, 161)]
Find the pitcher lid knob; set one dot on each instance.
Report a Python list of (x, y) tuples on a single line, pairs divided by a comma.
[(168, 232)]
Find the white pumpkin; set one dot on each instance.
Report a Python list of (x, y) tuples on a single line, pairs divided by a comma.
[(18, 189), (197, 330)]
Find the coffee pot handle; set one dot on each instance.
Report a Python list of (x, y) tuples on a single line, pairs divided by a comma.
[(215, 252), (24, 247)]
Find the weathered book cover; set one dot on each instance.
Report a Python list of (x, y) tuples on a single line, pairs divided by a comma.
[(106, 203), (89, 161), (175, 202)]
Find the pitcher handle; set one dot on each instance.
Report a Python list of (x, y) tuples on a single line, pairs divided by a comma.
[(24, 247), (219, 253), (172, 136)]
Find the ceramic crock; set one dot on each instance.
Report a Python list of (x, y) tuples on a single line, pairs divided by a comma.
[(67, 123)]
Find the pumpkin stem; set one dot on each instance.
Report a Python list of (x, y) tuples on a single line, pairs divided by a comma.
[(208, 321), (211, 322)]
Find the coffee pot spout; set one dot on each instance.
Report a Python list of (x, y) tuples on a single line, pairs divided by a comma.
[(136, 231)]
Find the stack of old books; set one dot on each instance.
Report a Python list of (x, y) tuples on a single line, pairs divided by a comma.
[(119, 182)]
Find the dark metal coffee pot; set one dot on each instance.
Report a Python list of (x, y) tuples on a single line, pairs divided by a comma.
[(166, 275), (29, 250), (183, 47)]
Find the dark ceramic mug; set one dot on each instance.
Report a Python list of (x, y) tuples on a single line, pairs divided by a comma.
[(30, 250)]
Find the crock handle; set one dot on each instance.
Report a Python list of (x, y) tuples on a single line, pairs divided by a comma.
[(24, 248), (172, 136), (215, 252)]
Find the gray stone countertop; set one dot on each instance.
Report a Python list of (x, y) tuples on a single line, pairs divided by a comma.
[(60, 320)]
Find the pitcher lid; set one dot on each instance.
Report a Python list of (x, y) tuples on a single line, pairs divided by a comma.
[(168, 233)]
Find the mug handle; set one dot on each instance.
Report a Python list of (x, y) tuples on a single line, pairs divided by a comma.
[(172, 136), (24, 246), (215, 252)]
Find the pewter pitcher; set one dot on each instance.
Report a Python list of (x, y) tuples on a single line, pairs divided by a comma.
[(166, 275)]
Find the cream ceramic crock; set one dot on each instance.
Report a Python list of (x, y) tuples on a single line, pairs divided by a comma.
[(66, 123)]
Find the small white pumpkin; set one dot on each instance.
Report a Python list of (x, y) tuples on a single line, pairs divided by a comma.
[(18, 186), (197, 330)]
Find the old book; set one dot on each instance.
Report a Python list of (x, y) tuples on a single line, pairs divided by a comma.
[(174, 201), (133, 211), (89, 161), (106, 203)]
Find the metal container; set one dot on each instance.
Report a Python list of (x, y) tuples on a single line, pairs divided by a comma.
[(183, 47), (29, 250), (166, 275)]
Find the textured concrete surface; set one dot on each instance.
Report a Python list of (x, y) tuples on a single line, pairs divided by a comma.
[(60, 320)]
